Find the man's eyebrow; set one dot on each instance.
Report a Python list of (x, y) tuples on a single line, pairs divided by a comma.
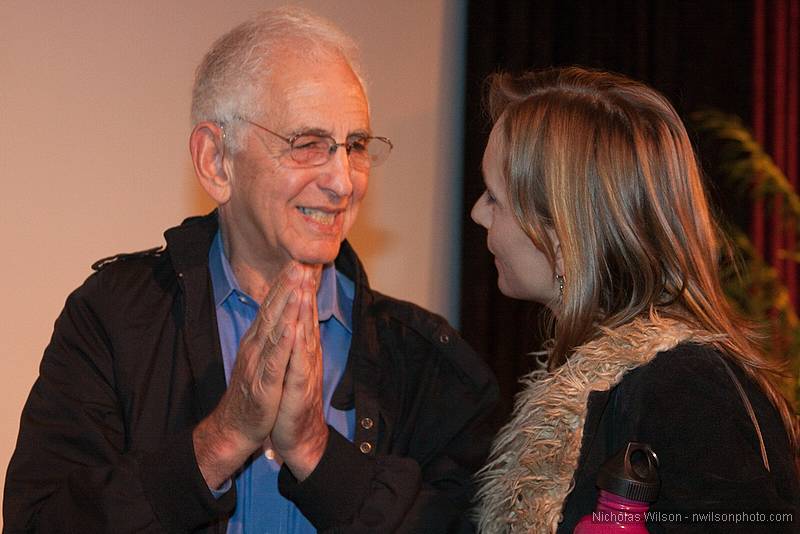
[(361, 132), (322, 132), (308, 130)]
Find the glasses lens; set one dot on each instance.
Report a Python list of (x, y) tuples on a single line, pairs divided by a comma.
[(358, 150), (311, 149), (368, 152), (378, 150)]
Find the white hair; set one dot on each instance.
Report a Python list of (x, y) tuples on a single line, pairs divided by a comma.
[(234, 74)]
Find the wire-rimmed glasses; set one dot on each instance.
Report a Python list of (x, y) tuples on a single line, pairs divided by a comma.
[(309, 149)]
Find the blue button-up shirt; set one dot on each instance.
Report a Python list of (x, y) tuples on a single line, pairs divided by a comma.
[(259, 506)]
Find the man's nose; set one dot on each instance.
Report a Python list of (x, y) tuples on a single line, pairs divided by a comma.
[(337, 179)]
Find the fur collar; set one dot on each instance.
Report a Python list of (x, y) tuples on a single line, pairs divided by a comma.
[(534, 456)]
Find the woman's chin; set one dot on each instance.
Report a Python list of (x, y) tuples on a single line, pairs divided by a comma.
[(508, 289), (521, 292)]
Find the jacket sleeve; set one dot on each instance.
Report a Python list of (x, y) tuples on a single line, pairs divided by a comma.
[(428, 488), (685, 405), (73, 469)]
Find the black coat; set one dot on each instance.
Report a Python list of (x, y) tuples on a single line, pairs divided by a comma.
[(686, 406), (105, 441)]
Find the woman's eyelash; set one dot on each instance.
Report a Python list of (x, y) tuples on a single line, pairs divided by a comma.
[(490, 197)]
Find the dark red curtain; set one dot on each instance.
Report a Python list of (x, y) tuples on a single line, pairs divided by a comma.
[(699, 53), (776, 76)]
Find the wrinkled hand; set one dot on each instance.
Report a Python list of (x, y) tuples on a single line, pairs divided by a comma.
[(245, 415), (300, 433)]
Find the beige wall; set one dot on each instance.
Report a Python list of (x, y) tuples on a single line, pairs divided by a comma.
[(94, 98)]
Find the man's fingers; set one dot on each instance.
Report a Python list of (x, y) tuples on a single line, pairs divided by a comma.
[(300, 434), (284, 322), (306, 318), (305, 366), (279, 308), (298, 369), (289, 277), (273, 368)]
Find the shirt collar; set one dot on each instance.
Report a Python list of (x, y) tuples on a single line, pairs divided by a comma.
[(222, 278), (334, 298)]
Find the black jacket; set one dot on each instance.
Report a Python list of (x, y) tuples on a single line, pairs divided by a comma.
[(134, 364), (686, 407)]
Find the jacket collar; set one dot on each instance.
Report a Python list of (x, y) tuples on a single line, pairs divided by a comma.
[(187, 248)]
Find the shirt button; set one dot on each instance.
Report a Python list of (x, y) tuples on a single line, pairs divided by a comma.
[(365, 447), (366, 423), (269, 454), (444, 339), (243, 300)]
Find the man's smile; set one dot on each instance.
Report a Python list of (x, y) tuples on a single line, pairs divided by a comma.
[(321, 216)]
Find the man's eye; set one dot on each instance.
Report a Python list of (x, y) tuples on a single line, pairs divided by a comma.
[(310, 143), (359, 144)]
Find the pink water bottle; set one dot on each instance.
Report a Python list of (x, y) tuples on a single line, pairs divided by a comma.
[(628, 483)]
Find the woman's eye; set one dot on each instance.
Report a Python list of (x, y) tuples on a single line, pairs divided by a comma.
[(490, 197)]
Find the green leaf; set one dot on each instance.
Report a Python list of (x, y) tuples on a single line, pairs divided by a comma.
[(752, 285)]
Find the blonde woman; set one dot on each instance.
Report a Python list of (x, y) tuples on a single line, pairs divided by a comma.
[(595, 207)]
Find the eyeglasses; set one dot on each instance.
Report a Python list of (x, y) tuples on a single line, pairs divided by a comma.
[(312, 150)]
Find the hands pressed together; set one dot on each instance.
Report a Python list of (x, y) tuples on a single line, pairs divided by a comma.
[(275, 391)]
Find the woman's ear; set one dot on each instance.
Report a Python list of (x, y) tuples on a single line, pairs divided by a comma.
[(559, 255), (207, 148)]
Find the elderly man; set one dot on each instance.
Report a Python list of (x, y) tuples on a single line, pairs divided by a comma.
[(246, 377)]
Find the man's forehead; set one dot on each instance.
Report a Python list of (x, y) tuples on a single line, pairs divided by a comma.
[(317, 94)]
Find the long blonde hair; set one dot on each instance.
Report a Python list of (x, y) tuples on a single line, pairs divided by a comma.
[(606, 163)]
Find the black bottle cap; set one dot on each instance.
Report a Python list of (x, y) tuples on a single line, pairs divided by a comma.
[(631, 473)]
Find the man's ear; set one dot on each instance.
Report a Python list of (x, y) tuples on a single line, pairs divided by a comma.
[(206, 145)]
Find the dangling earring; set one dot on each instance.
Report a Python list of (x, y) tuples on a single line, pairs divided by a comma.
[(560, 279)]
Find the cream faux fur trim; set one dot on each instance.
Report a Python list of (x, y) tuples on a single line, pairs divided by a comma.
[(534, 456)]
